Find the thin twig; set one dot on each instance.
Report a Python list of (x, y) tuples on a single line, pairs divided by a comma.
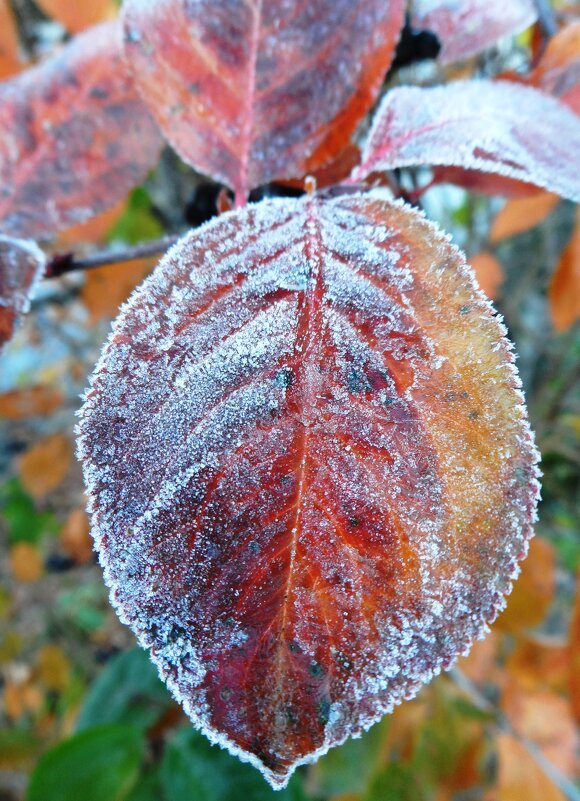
[(64, 263), (567, 787), (546, 17)]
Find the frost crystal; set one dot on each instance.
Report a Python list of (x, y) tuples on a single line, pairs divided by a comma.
[(310, 472)]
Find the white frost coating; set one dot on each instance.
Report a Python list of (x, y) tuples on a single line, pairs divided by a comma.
[(22, 265), (496, 127), (466, 27), (297, 475)]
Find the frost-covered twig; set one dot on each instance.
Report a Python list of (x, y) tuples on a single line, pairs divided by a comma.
[(64, 263)]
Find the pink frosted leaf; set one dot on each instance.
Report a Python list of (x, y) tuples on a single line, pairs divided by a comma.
[(74, 136), (495, 127), (466, 27), (247, 91), (310, 472), (22, 264)]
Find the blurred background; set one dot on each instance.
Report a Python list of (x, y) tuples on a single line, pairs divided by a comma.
[(81, 709)]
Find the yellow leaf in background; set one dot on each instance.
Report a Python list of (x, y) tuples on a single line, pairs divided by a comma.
[(75, 537), (20, 699), (521, 214), (488, 271), (519, 777), (31, 402), (75, 16), (9, 55), (106, 288), (481, 664), (546, 719), (533, 591), (564, 291), (539, 663), (44, 466), (53, 668), (26, 563)]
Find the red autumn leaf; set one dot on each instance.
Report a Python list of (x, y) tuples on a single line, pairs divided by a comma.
[(74, 137), (558, 74), (248, 92), (559, 69), (309, 469), (501, 128), (466, 27), (22, 264), (486, 183)]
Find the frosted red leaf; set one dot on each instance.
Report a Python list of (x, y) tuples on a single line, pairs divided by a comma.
[(74, 136), (248, 91), (310, 472), (495, 127), (22, 264), (466, 27)]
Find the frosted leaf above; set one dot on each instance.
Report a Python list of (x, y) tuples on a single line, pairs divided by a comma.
[(496, 127), (466, 27), (310, 472), (74, 137), (247, 91)]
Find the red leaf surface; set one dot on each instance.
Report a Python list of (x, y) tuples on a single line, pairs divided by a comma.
[(248, 91), (309, 469), (466, 27), (22, 264), (495, 127), (74, 137)]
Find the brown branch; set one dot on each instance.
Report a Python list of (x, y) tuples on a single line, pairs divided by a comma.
[(63, 263)]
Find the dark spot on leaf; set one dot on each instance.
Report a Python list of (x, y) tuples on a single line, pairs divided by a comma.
[(324, 711), (315, 669), (284, 377)]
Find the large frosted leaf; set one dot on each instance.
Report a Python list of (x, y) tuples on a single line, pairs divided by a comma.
[(74, 137), (309, 469), (247, 91), (466, 27), (22, 264), (496, 127)]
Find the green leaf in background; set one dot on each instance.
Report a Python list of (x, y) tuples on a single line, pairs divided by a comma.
[(25, 523), (348, 769), (127, 691), (148, 788), (137, 223), (194, 770), (84, 606), (100, 764), (395, 783)]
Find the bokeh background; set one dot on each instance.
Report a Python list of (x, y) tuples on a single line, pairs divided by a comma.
[(82, 713)]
